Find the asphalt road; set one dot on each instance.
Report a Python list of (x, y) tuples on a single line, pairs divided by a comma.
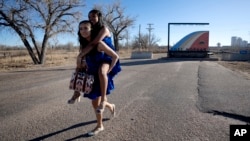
[(170, 100)]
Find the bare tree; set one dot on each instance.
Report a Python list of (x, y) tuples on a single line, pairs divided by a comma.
[(154, 40), (48, 18), (143, 41), (116, 20)]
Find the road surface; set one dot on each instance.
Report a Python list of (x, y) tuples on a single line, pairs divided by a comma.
[(173, 100)]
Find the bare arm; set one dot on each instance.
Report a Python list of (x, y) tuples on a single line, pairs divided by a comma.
[(103, 47), (101, 35)]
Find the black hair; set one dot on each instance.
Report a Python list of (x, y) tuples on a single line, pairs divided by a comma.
[(83, 41), (99, 25)]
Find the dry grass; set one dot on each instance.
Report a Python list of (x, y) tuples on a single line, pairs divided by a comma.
[(24, 61), (20, 60)]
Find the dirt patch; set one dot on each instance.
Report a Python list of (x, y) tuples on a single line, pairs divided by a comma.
[(242, 67)]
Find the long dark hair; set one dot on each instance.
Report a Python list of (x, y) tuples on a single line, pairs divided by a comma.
[(83, 41), (100, 24)]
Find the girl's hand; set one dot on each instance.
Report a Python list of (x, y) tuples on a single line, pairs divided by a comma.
[(110, 69), (84, 64), (103, 47), (81, 62)]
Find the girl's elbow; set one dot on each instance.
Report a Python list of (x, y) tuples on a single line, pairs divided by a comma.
[(117, 56)]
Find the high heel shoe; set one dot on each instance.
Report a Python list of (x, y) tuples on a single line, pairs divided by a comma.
[(101, 107), (75, 97), (95, 131), (72, 101)]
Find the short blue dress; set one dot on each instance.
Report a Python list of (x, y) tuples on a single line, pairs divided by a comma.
[(94, 60)]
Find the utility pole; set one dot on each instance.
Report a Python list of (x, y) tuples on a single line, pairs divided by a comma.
[(149, 33), (127, 39), (139, 37), (249, 38)]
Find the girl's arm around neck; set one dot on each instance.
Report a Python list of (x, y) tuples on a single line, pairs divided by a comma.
[(101, 35)]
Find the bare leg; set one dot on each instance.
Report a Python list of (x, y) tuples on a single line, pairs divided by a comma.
[(99, 127), (111, 107), (103, 71), (95, 104)]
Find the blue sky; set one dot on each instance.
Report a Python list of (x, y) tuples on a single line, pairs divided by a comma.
[(227, 18)]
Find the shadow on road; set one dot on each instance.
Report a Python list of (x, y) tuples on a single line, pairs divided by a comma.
[(66, 129), (78, 137), (233, 116)]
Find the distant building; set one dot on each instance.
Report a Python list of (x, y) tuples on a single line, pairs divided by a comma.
[(238, 42), (244, 43), (234, 41)]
